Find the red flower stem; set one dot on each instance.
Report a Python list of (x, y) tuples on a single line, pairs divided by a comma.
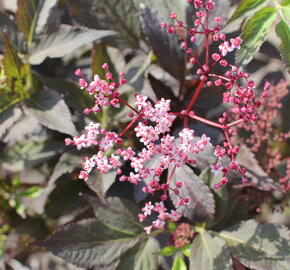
[(206, 121), (214, 124), (235, 123), (130, 125), (194, 97), (207, 38), (128, 105), (171, 175), (229, 142), (124, 102), (219, 77)]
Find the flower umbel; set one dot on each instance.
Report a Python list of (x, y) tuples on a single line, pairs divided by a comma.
[(152, 124)]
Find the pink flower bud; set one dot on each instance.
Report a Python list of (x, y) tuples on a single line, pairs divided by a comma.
[(173, 15), (105, 66), (78, 72)]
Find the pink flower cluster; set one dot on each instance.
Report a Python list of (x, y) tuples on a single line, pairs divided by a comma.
[(263, 134), (152, 124), (163, 215)]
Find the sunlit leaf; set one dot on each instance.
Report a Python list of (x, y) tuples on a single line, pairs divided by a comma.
[(50, 110), (63, 42), (255, 33), (209, 253), (245, 7)]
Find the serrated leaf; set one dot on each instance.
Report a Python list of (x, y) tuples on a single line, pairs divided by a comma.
[(283, 32), (209, 253), (255, 33), (144, 256), (8, 118), (259, 246), (166, 47), (256, 175), (179, 264), (245, 7), (118, 214), (221, 196), (66, 164), (120, 16), (30, 152), (63, 42), (88, 243), (50, 110), (201, 198)]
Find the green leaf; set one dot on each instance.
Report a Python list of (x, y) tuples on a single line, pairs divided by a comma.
[(12, 63), (32, 16), (30, 152), (178, 264), (26, 15), (88, 243), (31, 192), (144, 256), (255, 33), (63, 42), (201, 198), (50, 110), (166, 47), (245, 7), (283, 32), (186, 250), (168, 251), (259, 246), (286, 9), (118, 214), (209, 253)]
